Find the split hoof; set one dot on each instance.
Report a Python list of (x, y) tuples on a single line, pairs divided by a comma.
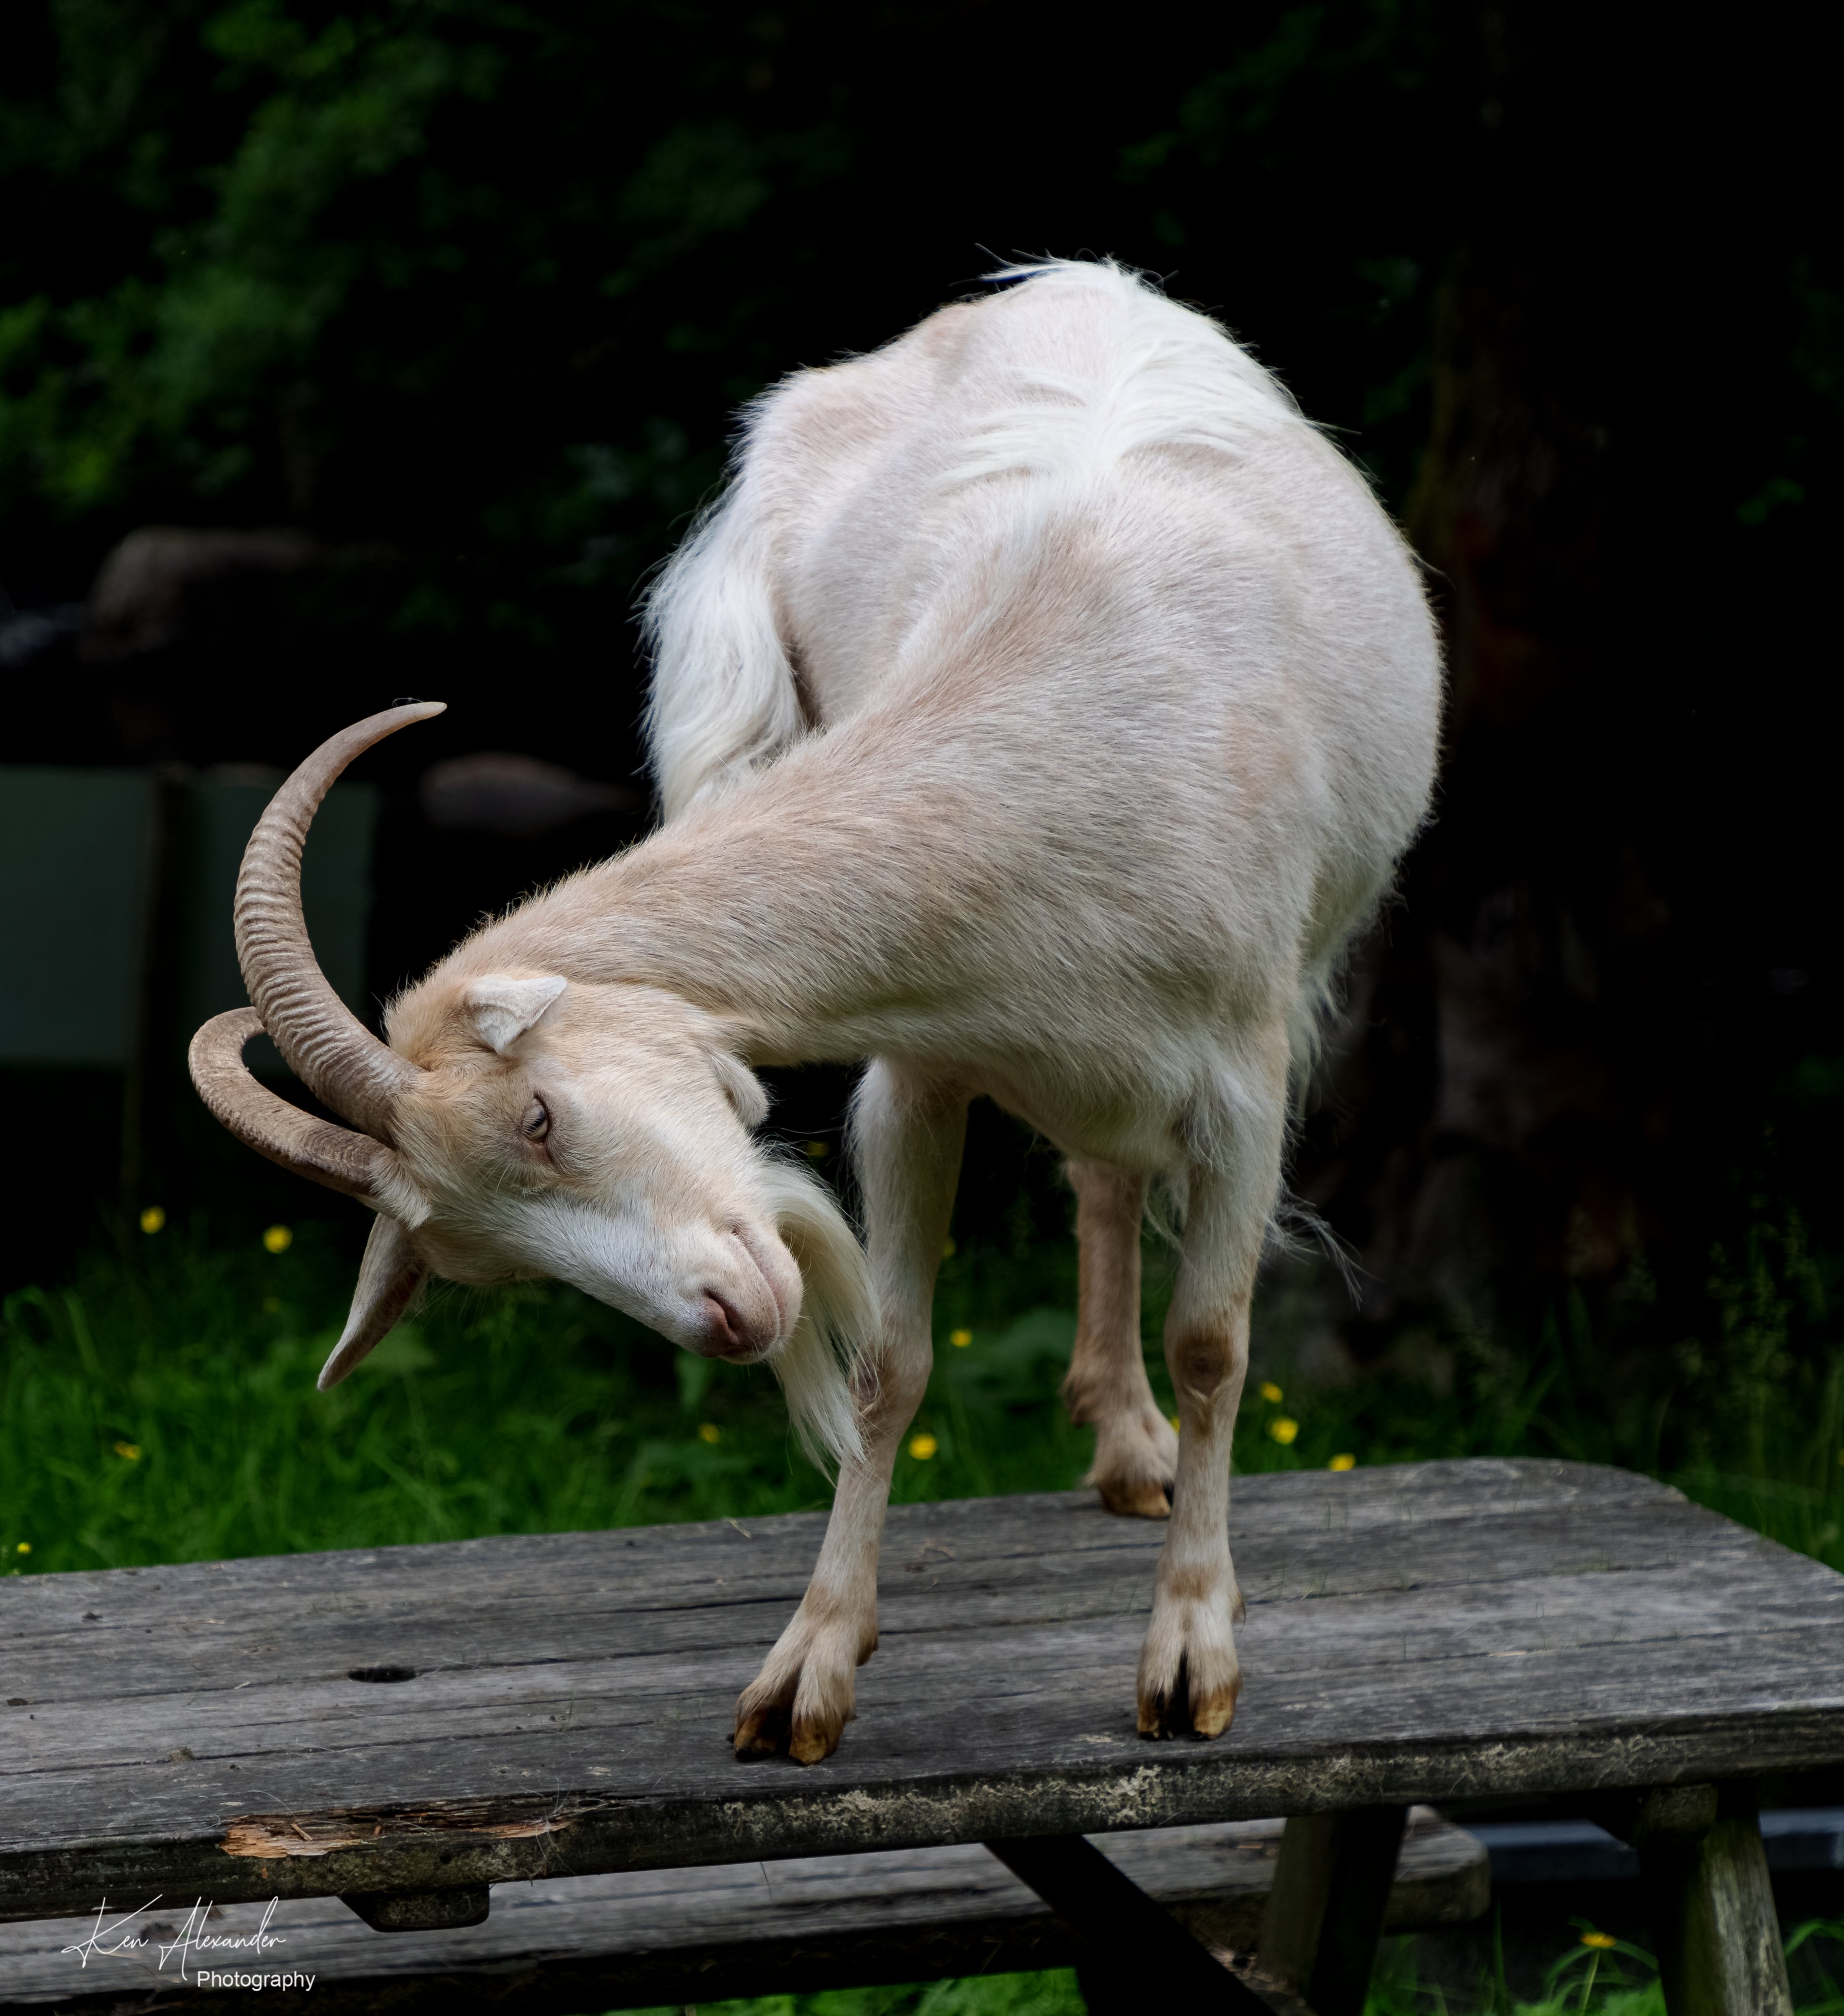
[(1189, 1674), (776, 1731), (798, 1704), (1204, 1712)]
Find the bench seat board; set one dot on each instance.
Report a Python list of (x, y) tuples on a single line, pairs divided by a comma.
[(642, 1938), (1414, 1633)]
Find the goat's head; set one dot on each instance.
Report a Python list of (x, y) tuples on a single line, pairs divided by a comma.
[(521, 1124)]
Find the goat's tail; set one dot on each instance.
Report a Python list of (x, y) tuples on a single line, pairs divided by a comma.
[(724, 698)]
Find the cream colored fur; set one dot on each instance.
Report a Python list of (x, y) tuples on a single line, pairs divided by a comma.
[(1037, 715)]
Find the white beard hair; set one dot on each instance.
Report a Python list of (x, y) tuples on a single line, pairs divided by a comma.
[(838, 1318)]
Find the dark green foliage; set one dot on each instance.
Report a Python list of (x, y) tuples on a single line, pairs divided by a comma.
[(478, 282)]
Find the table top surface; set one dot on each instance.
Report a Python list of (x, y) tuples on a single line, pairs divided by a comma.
[(1418, 1633)]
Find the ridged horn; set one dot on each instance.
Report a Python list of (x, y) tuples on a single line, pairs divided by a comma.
[(326, 1044), (335, 1156)]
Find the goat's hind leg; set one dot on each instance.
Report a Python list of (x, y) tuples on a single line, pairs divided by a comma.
[(1135, 1450), (1189, 1674), (907, 1136)]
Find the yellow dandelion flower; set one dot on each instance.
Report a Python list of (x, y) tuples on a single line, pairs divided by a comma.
[(814, 1151), (708, 1431), (1284, 1428), (960, 1339), (24, 1547), (948, 1250), (1346, 1462), (278, 1239), (1173, 1419), (1600, 1942), (922, 1447), (1270, 1391), (152, 1218), (131, 1451)]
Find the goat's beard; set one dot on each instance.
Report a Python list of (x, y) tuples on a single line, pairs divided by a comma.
[(821, 1363)]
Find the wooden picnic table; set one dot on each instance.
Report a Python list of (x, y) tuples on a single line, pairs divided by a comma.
[(405, 1726)]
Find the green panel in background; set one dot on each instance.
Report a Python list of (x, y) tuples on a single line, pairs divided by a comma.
[(74, 852), (77, 855)]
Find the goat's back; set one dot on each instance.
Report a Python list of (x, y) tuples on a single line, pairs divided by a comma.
[(1073, 543)]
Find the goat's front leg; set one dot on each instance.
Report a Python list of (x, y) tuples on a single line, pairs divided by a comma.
[(1189, 1674), (1136, 1451), (908, 1138)]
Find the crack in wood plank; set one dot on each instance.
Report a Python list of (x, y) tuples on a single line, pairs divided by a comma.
[(271, 1837)]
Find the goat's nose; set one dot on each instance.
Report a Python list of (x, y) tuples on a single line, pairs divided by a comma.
[(728, 1334)]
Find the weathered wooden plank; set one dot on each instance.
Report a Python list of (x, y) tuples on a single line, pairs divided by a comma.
[(1443, 1630), (604, 1941), (1405, 1667), (1633, 1583), (1459, 1647), (557, 1720), (708, 1570)]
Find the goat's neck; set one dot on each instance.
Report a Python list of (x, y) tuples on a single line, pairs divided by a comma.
[(819, 920)]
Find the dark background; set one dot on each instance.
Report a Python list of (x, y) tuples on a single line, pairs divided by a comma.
[(462, 297)]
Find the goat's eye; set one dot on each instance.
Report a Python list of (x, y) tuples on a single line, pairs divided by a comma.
[(537, 1121)]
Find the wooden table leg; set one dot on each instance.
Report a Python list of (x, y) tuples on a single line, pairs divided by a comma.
[(1324, 1914), (1712, 1905), (1136, 1956)]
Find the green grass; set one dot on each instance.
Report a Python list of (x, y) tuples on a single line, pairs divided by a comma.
[(1613, 1978), (161, 1407), (1586, 1981), (165, 1410)]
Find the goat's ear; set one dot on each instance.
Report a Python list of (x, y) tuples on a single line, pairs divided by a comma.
[(503, 1008), (741, 1087), (389, 1276)]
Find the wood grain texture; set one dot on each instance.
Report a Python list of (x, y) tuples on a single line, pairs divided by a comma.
[(1414, 1634), (645, 1938)]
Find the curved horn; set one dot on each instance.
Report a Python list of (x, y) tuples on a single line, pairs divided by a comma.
[(389, 1276), (334, 1155), (326, 1045)]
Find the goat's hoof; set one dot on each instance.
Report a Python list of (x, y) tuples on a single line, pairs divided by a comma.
[(1189, 1674), (1135, 1464), (773, 1732), (798, 1705), (763, 1733), (1186, 1711), (813, 1745), (1136, 1498)]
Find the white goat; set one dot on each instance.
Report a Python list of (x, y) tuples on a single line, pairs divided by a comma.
[(1037, 715)]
